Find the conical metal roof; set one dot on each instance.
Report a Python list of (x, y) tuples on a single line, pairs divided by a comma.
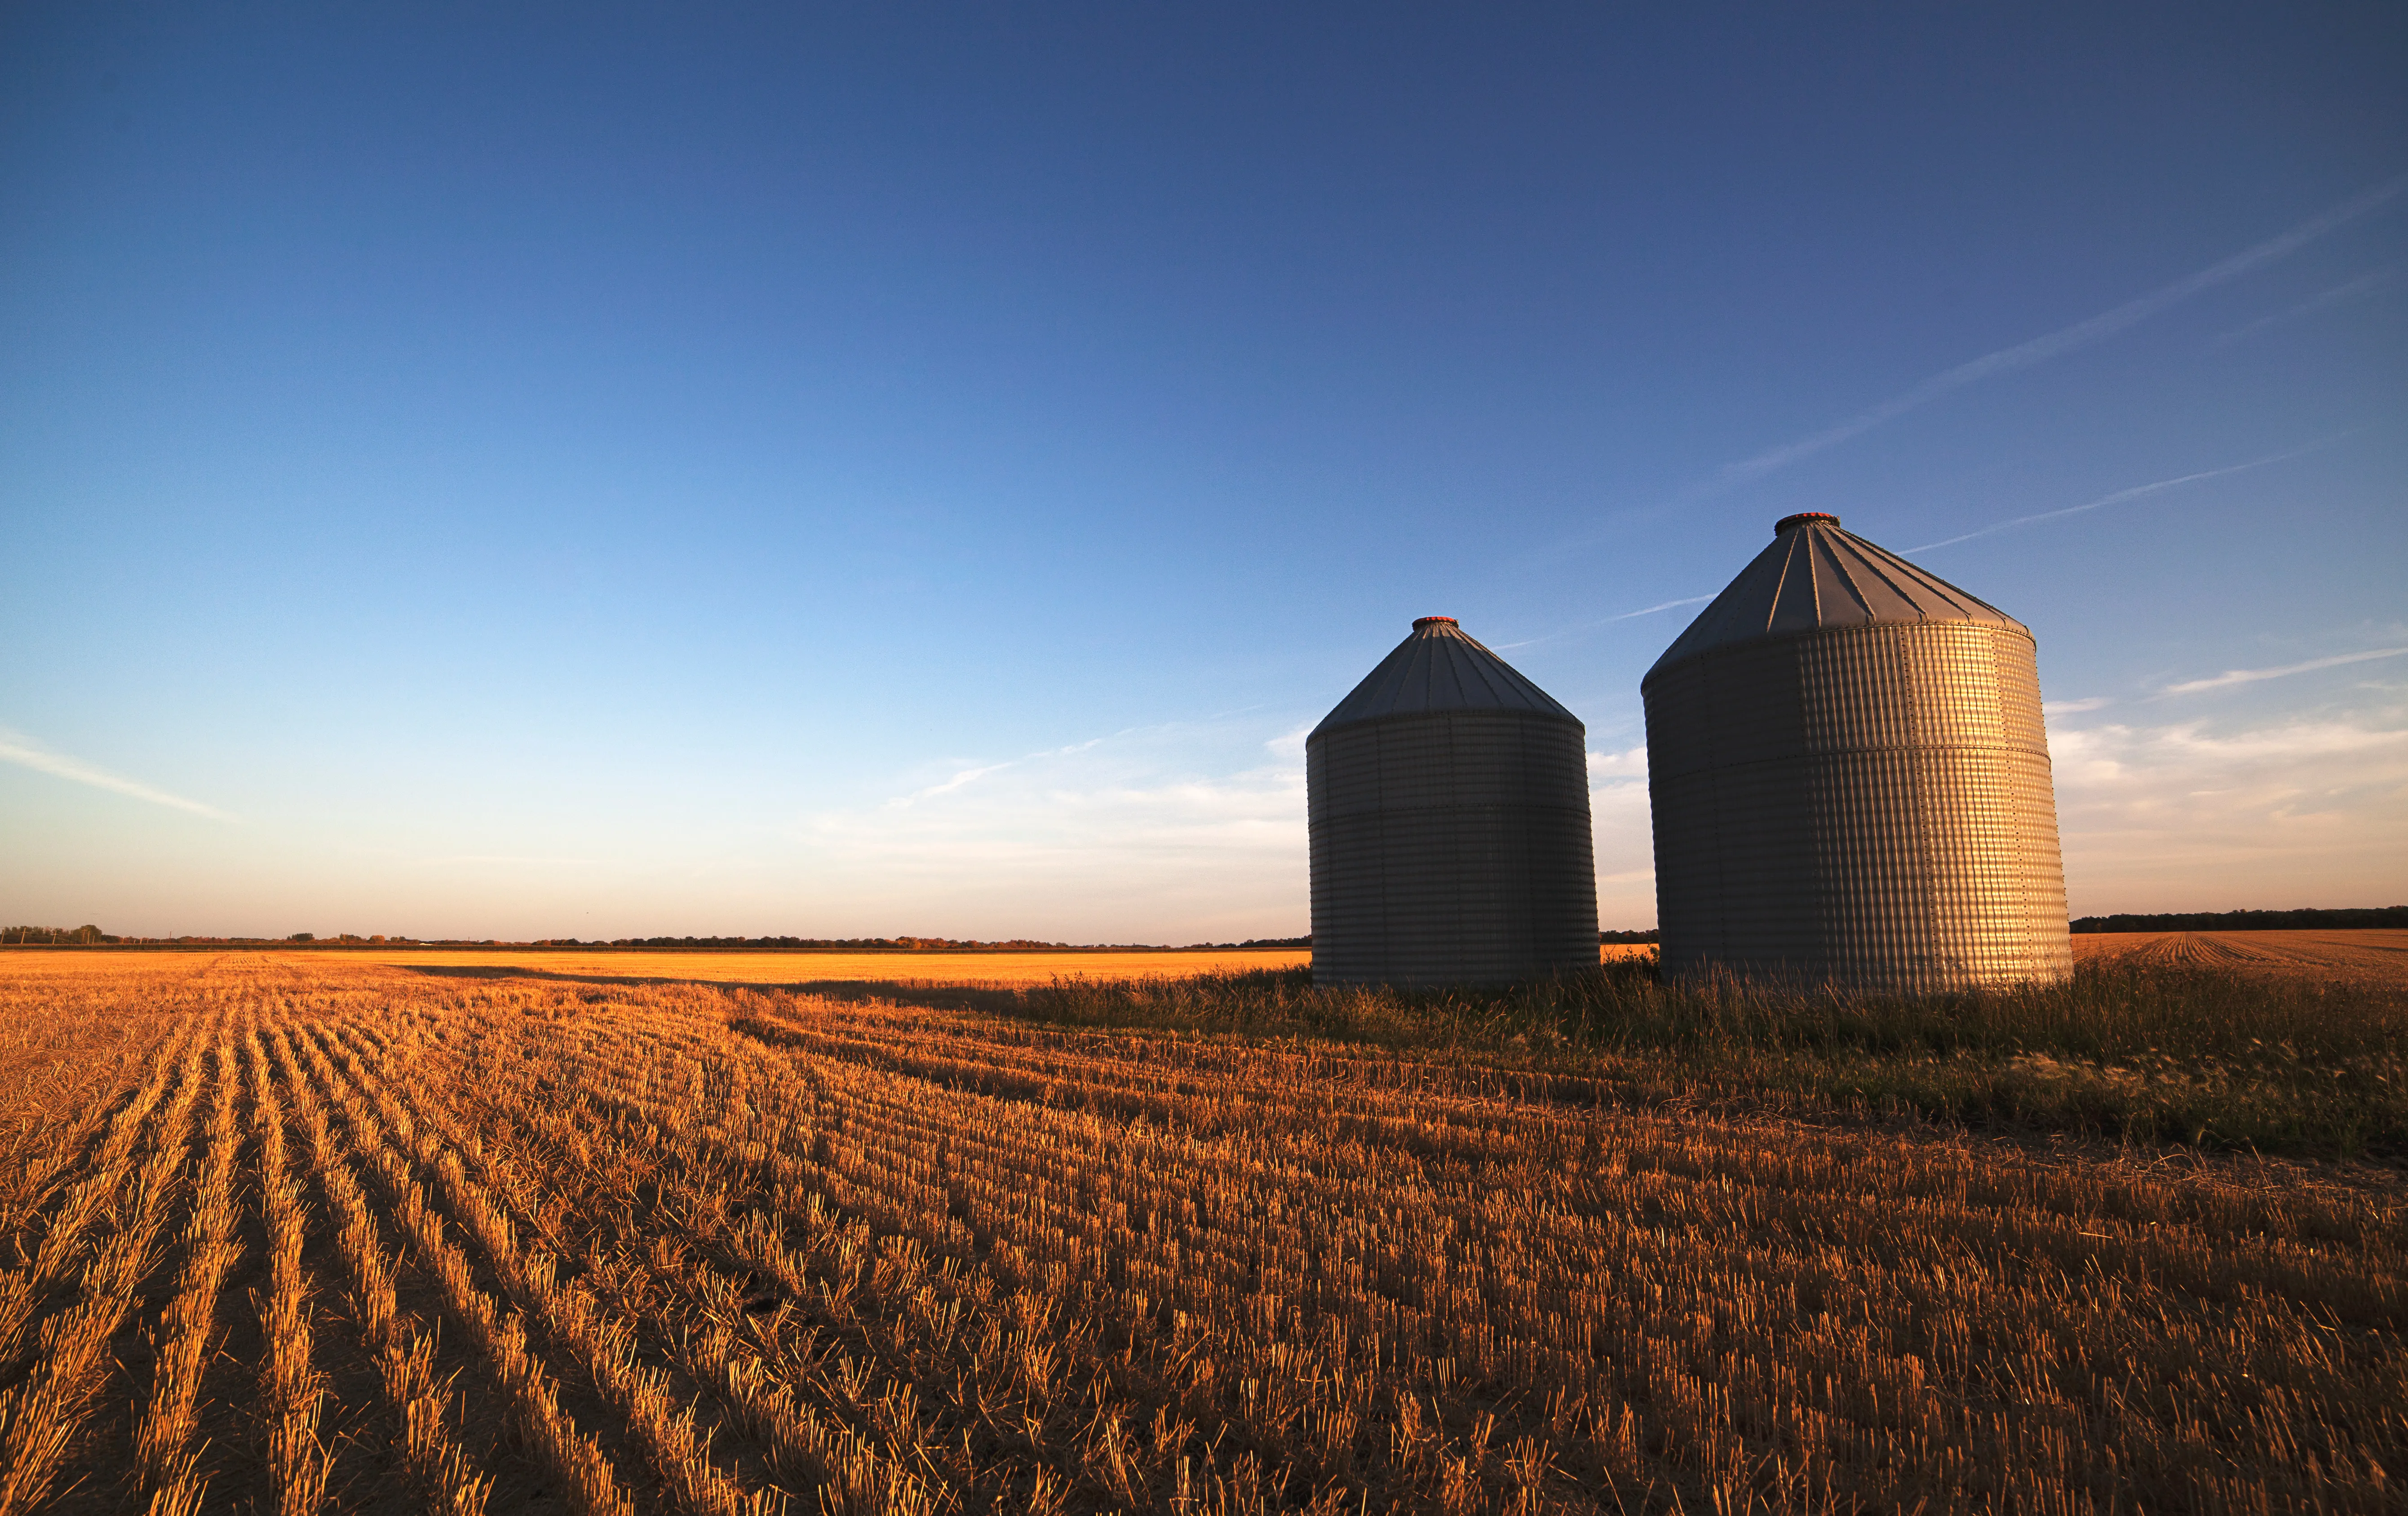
[(1438, 668), (1816, 576)]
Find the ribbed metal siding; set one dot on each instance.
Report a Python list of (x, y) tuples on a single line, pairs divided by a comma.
[(1451, 848), (1870, 807)]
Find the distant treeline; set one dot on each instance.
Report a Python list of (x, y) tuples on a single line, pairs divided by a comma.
[(1648, 935), (2249, 921), (91, 936)]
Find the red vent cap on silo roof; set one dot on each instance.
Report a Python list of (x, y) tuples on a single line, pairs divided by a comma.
[(1420, 621), (1805, 518)]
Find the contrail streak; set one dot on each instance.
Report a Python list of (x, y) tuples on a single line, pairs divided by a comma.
[(1648, 611), (2067, 339), (2350, 290), (2251, 675), (1668, 604), (15, 747), (2135, 492)]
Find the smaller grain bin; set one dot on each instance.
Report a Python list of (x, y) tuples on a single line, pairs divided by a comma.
[(1449, 806), (1850, 780)]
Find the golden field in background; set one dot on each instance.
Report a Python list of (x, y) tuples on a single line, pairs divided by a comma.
[(303, 1232), (1002, 968), (799, 968), (2378, 954), (740, 968)]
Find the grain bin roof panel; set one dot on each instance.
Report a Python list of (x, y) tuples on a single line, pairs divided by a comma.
[(1814, 576), (1438, 668), (1798, 603)]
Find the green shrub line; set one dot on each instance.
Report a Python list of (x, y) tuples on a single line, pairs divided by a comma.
[(2204, 1057)]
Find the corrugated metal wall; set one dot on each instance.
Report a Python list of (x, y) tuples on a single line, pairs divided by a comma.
[(1450, 846), (1868, 805)]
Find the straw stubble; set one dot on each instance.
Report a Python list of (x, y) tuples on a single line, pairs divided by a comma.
[(722, 1251)]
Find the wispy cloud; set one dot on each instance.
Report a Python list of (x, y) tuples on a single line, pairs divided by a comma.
[(1624, 767), (17, 747), (2193, 817), (2366, 283), (1624, 837), (2074, 707), (1650, 610), (2135, 492), (2070, 338), (1189, 830), (967, 777), (2251, 675)]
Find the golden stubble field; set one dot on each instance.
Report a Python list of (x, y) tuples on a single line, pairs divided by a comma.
[(303, 1233), (2375, 954)]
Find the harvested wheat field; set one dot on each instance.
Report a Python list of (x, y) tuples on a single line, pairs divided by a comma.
[(2377, 955), (309, 1234)]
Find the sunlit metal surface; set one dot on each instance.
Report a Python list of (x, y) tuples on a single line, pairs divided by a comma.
[(1850, 780)]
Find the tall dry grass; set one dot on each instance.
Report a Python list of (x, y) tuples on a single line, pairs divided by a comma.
[(2211, 1056)]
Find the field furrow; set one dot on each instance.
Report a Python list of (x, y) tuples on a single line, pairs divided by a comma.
[(658, 1255), (165, 1451), (134, 1180), (291, 1388), (386, 1142), (421, 1419), (806, 1410)]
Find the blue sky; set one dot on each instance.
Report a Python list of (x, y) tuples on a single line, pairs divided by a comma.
[(921, 470)]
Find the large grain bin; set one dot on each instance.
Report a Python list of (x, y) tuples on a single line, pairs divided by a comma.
[(1449, 805), (1850, 780)]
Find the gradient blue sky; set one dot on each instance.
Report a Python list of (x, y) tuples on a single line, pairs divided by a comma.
[(921, 470)]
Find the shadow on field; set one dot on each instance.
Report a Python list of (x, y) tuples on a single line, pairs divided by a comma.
[(850, 992), (2201, 1056)]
